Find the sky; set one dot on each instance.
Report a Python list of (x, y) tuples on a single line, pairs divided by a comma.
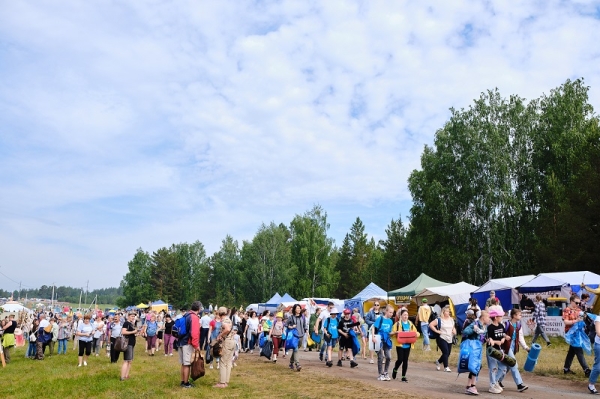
[(139, 124)]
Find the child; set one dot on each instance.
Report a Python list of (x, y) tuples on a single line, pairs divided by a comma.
[(236, 339), (476, 330), (330, 328)]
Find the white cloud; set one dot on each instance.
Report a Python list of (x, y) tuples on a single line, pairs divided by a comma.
[(151, 123)]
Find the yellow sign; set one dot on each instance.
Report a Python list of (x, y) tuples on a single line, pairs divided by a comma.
[(403, 299)]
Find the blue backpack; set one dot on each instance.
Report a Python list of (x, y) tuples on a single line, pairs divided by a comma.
[(151, 328), (179, 330)]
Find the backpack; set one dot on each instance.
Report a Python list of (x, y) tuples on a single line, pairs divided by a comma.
[(432, 316), (590, 328), (433, 334), (179, 329), (151, 329)]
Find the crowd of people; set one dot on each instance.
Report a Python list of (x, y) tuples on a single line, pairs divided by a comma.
[(222, 334)]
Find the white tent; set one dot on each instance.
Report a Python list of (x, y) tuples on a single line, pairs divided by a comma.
[(506, 290), (457, 294), (575, 278), (371, 291), (12, 306), (545, 284)]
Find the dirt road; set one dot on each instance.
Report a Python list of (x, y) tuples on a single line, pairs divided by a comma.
[(426, 382)]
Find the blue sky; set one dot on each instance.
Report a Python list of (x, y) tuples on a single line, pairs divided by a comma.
[(146, 123)]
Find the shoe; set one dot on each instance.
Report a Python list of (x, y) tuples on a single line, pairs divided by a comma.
[(587, 372), (298, 367), (329, 364), (166, 355), (170, 354), (186, 385), (234, 364), (472, 391), (371, 361), (252, 351), (394, 373), (548, 344), (500, 385), (593, 390), (320, 356), (218, 365), (404, 379), (381, 378), (494, 389), (387, 377), (353, 364), (79, 365), (291, 366), (437, 366), (447, 369), (522, 387), (568, 371), (211, 366), (339, 363), (84, 364)]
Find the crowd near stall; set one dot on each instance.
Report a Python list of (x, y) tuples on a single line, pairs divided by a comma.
[(495, 322)]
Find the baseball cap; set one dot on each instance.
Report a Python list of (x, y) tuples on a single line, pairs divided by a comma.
[(333, 311), (347, 311)]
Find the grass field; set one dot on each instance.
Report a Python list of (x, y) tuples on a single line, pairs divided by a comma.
[(158, 376)]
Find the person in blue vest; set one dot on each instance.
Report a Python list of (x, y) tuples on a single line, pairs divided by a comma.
[(330, 334)]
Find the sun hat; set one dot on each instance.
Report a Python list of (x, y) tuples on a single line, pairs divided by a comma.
[(424, 300), (496, 313), (333, 311), (280, 315), (347, 311)]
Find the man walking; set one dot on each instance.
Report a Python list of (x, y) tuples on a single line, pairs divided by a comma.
[(424, 314), (189, 343)]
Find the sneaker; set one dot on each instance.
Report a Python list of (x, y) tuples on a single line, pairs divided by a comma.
[(494, 389), (166, 355), (587, 372), (404, 379), (291, 366), (353, 364), (320, 356), (500, 385), (170, 354), (186, 385), (211, 366), (568, 371), (472, 391), (218, 365), (84, 364), (371, 361), (381, 378), (298, 367), (387, 377), (437, 366), (548, 344), (592, 390), (447, 369), (252, 351), (339, 363), (522, 387), (79, 365), (329, 364), (394, 373)]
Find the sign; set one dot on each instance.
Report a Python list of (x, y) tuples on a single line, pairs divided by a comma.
[(403, 299), (555, 326)]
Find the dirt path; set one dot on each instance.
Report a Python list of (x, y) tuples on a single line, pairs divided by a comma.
[(426, 382)]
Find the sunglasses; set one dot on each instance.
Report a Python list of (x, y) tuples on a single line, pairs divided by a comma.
[(376, 304), (577, 303)]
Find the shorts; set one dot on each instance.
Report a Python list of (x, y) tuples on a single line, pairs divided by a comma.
[(332, 342), (128, 355), (363, 330), (345, 343), (185, 355), (160, 334)]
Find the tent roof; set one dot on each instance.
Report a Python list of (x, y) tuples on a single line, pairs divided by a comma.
[(459, 293), (371, 291), (575, 278), (275, 298), (497, 284), (542, 283), (420, 283), (142, 306), (287, 298), (159, 302), (13, 306)]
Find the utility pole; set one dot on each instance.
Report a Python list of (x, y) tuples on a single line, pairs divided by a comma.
[(86, 292), (80, 293), (19, 290), (52, 299)]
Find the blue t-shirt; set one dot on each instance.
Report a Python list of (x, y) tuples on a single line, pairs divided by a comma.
[(406, 327), (331, 325), (384, 328)]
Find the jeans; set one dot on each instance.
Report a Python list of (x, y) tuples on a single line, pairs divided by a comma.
[(496, 370), (573, 351), (294, 357), (539, 331), (252, 341), (384, 352), (446, 349), (513, 370), (425, 331), (203, 338), (596, 367), (62, 346), (31, 350)]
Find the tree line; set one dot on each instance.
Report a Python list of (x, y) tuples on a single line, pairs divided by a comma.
[(67, 294), (508, 187)]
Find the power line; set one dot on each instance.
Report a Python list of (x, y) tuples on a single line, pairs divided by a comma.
[(16, 282)]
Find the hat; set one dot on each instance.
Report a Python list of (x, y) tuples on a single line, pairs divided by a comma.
[(470, 312), (347, 311), (496, 313), (280, 314), (424, 300), (492, 292), (333, 311)]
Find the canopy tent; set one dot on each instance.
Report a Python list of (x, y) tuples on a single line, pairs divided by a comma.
[(286, 298), (419, 284), (13, 306), (142, 306), (364, 300), (458, 296), (506, 290), (546, 285), (159, 305), (590, 279), (275, 298)]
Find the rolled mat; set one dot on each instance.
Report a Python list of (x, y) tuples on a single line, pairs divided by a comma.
[(499, 355), (532, 358)]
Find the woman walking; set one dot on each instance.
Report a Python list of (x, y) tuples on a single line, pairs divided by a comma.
[(213, 333), (64, 332), (298, 323), (444, 327), (130, 331), (161, 331), (275, 335), (402, 350), (97, 337), (382, 327), (539, 317), (226, 336), (85, 331), (168, 335), (513, 341), (252, 330), (149, 331)]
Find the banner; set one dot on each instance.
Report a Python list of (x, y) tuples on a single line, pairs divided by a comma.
[(555, 326)]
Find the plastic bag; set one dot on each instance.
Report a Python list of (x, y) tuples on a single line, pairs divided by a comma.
[(576, 337), (355, 343), (469, 358), (261, 340), (267, 350), (291, 341)]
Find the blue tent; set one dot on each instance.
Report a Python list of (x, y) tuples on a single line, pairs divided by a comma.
[(286, 298), (371, 291), (543, 283)]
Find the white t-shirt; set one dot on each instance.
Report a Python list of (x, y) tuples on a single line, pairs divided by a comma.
[(205, 321), (252, 324), (44, 323), (322, 316)]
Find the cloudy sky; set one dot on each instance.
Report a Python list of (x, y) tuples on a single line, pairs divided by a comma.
[(145, 123)]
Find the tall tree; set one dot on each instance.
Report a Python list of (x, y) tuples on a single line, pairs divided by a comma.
[(227, 272), (394, 271), (137, 284)]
